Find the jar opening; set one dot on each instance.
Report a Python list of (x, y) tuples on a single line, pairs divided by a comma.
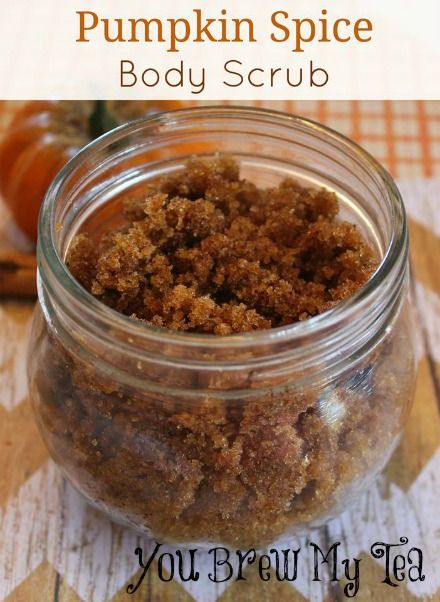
[(260, 138)]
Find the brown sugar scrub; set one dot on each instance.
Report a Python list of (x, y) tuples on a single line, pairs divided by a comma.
[(209, 252), (206, 452)]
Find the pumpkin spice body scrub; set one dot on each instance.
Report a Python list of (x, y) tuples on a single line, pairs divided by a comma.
[(223, 351)]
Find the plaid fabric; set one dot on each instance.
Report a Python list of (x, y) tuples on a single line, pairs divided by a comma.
[(403, 135)]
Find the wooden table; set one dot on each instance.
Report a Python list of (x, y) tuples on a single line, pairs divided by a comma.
[(54, 547)]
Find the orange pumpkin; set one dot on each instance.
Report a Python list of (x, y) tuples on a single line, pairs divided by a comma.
[(44, 135)]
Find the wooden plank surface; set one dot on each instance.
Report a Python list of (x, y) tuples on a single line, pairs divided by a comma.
[(54, 547)]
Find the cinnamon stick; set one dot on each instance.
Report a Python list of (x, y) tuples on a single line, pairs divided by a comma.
[(17, 274)]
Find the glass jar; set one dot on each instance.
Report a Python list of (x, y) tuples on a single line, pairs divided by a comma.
[(238, 439)]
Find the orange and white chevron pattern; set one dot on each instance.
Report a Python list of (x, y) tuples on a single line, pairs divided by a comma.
[(53, 546)]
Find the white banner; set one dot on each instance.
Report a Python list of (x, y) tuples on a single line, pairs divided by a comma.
[(220, 49)]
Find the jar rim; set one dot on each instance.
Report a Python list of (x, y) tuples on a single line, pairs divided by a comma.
[(50, 259)]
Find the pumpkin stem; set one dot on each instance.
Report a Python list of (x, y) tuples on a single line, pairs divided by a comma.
[(101, 120)]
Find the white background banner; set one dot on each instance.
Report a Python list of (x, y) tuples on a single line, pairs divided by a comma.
[(216, 50)]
